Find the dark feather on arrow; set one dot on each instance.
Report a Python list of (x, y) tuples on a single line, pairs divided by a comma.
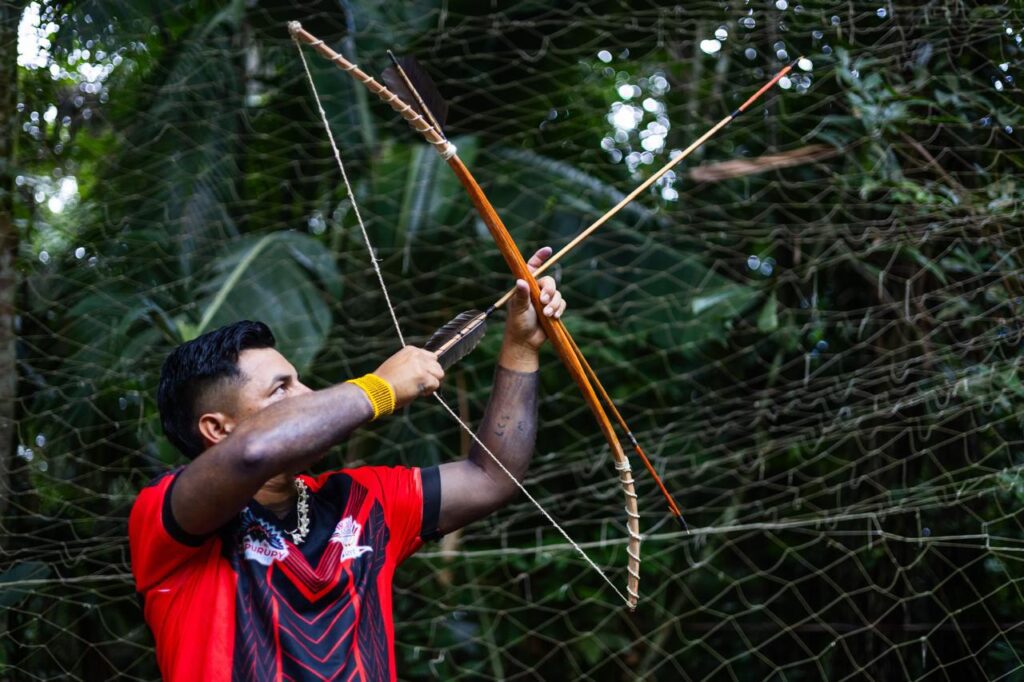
[(458, 338), (422, 83)]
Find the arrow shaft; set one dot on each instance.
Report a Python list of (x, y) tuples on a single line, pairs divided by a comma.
[(646, 184)]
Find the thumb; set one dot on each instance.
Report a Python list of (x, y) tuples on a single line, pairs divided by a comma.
[(521, 299)]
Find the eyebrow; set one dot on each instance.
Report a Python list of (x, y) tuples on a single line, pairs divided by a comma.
[(279, 378)]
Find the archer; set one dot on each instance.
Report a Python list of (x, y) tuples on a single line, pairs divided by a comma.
[(249, 569)]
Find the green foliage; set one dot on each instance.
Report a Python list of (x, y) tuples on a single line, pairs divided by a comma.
[(822, 360), (270, 278)]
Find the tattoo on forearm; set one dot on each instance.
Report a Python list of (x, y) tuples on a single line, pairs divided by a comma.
[(499, 430), (509, 426)]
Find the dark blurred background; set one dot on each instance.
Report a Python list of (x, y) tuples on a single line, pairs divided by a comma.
[(813, 324)]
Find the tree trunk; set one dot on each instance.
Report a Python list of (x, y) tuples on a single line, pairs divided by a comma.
[(10, 15)]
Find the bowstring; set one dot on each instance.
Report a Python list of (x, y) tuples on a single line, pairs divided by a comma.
[(401, 338)]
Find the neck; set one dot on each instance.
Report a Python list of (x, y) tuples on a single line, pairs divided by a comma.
[(277, 494)]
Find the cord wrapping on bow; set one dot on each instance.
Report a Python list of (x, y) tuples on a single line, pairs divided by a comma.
[(445, 148)]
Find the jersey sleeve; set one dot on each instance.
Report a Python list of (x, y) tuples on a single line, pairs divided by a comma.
[(158, 545), (411, 498)]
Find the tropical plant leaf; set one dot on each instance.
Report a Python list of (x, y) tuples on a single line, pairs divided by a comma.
[(283, 279)]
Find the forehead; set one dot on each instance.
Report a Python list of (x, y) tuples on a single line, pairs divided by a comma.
[(261, 365)]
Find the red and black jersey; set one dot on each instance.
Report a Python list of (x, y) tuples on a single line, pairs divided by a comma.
[(245, 603)]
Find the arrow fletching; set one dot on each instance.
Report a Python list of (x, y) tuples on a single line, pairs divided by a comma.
[(458, 338), (413, 85)]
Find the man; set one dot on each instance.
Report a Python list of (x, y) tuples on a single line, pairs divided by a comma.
[(249, 570)]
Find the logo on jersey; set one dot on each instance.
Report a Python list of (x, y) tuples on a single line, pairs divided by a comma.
[(262, 542), (347, 533)]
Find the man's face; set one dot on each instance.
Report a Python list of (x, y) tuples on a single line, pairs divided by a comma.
[(267, 377)]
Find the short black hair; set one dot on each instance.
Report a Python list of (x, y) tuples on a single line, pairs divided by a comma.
[(193, 368)]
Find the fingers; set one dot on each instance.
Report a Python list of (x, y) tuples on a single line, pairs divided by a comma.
[(555, 306), (429, 374), (427, 387), (434, 368), (432, 372), (412, 372), (550, 297), (521, 299), (547, 288), (427, 361), (538, 258)]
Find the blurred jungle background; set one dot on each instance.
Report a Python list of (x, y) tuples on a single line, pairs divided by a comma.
[(813, 324)]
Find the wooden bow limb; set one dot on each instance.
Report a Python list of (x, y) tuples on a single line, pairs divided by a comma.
[(567, 352), (556, 332)]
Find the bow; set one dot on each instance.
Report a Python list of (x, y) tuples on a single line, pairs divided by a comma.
[(562, 342)]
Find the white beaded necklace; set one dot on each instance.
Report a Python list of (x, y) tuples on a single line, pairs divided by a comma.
[(299, 534)]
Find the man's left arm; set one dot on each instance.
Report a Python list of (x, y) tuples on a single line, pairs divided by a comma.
[(476, 486)]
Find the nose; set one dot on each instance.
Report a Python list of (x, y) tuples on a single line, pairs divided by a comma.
[(301, 388)]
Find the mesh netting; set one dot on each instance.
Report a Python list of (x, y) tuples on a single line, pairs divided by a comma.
[(812, 324)]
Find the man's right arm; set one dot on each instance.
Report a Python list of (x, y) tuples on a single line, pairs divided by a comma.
[(287, 437)]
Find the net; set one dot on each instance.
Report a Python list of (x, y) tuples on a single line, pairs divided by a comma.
[(812, 325)]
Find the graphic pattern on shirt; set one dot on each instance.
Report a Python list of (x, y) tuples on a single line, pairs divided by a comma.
[(246, 603), (333, 628)]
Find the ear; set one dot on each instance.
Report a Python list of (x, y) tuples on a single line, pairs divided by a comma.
[(215, 427)]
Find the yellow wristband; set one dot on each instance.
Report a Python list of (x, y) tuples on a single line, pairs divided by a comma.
[(379, 392)]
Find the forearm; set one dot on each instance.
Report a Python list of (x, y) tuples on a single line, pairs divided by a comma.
[(509, 426), (293, 434), (288, 436), (476, 486)]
